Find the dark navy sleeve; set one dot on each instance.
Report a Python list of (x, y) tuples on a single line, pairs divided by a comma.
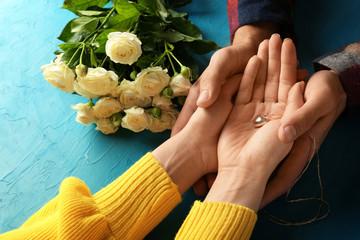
[(346, 63), (243, 12)]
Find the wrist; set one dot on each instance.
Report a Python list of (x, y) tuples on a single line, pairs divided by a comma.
[(253, 34), (238, 187), (176, 158)]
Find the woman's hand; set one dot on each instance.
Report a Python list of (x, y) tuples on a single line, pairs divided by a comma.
[(192, 152), (249, 154)]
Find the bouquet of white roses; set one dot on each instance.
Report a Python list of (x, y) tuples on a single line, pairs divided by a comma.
[(130, 60)]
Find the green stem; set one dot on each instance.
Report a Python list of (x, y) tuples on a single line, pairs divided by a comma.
[(176, 59), (102, 24), (159, 58), (73, 56), (89, 36), (168, 55), (103, 61), (135, 28), (82, 53)]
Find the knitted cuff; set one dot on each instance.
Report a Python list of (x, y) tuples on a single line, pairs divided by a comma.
[(138, 200), (217, 220)]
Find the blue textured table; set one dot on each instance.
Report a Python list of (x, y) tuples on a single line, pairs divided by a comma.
[(41, 144)]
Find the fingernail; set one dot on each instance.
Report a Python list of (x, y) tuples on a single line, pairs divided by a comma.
[(276, 34), (204, 95), (302, 86), (290, 133)]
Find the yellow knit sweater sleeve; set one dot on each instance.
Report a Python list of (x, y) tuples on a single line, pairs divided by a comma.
[(128, 208), (217, 220)]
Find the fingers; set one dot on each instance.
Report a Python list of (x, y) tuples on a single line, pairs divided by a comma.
[(210, 88), (222, 65), (259, 86), (273, 74), (210, 178), (229, 89), (187, 110), (247, 81), (301, 120), (302, 74), (201, 187), (295, 99), (288, 72)]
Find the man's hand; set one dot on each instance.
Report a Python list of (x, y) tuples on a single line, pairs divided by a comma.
[(325, 100)]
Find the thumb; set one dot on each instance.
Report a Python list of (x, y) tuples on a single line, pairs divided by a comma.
[(296, 123), (210, 84)]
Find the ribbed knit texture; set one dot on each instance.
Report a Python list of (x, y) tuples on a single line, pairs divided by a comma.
[(216, 220), (138, 200), (128, 208)]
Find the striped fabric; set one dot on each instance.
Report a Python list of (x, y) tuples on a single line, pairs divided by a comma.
[(346, 63), (242, 12)]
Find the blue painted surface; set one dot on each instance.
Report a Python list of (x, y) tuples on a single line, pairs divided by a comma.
[(41, 143)]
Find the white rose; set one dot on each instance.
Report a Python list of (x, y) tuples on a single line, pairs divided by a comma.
[(123, 47), (162, 102), (85, 114), (151, 81), (97, 82), (129, 96), (59, 75), (135, 119), (106, 126), (166, 121), (106, 107), (180, 85)]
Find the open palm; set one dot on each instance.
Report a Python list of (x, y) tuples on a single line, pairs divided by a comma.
[(263, 91)]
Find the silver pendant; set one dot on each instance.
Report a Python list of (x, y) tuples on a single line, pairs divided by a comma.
[(260, 121)]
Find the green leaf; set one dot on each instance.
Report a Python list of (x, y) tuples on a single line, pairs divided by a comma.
[(186, 27), (68, 36), (178, 3), (58, 52), (146, 60), (93, 58), (170, 35), (69, 45), (202, 46), (174, 13), (102, 39), (162, 9), (72, 55), (170, 46), (92, 13), (86, 57), (84, 24), (75, 5), (126, 9), (150, 5), (147, 25), (121, 23), (149, 43)]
